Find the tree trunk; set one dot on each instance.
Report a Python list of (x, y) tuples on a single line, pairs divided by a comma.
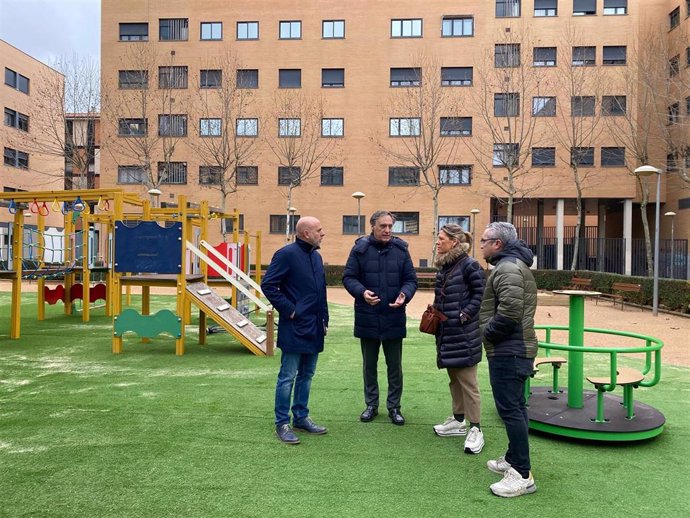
[(435, 227)]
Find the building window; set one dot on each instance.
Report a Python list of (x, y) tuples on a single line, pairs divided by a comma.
[(406, 28), (278, 223), (210, 174), (582, 106), (132, 174), (350, 225), (210, 127), (211, 30), (290, 78), (331, 176), (687, 106), (247, 30), (173, 29), (456, 26), (674, 18), (291, 30), (506, 155), (333, 29), (507, 105), (582, 156), (584, 7), (615, 7), (247, 175), (687, 56), (456, 126), (545, 8), (674, 113), (247, 127), (615, 55), (332, 77), (455, 174), (230, 224), (461, 221), (543, 156), (406, 223), (134, 32), (172, 173), (612, 156), (289, 175), (584, 56), (210, 78), (132, 127), (172, 125), (403, 176), (671, 162), (543, 106), (613, 105), (456, 76), (15, 158), (507, 8), (674, 66), (16, 80), (133, 79), (289, 127), (507, 55), (544, 57), (16, 119), (406, 76), (172, 77), (404, 127), (332, 127), (247, 78)]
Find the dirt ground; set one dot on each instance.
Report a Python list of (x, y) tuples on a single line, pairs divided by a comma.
[(672, 329)]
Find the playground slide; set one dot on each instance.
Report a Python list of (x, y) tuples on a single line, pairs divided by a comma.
[(229, 318)]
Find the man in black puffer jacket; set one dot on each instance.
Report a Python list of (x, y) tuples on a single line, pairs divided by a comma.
[(379, 274)]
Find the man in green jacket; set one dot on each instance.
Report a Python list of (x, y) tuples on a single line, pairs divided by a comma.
[(506, 320)]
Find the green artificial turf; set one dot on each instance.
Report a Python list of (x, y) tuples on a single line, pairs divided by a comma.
[(84, 432)]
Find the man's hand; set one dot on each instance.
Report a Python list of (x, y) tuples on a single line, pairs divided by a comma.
[(371, 298), (399, 301)]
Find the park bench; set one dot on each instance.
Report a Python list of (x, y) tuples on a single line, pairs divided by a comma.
[(626, 378), (618, 289), (426, 280), (580, 283)]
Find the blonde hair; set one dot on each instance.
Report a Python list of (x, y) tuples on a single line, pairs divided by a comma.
[(456, 233)]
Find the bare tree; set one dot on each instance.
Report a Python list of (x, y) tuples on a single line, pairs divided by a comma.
[(226, 132), (423, 121), (298, 144), (506, 88)]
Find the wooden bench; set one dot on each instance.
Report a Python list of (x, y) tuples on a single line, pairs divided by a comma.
[(426, 279), (580, 283), (555, 362), (617, 292), (626, 378)]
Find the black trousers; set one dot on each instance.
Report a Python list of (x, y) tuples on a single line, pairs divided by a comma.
[(392, 350)]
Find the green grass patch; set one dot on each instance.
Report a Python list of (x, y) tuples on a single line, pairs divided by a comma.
[(84, 432)]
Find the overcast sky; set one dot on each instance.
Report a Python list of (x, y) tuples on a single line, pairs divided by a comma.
[(47, 29)]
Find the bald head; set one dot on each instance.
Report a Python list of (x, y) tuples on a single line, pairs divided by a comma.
[(309, 229)]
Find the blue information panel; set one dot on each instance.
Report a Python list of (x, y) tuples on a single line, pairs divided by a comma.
[(146, 247)]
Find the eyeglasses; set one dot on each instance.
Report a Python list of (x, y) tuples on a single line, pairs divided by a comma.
[(482, 241)]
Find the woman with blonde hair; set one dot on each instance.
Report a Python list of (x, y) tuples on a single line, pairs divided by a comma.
[(458, 294)]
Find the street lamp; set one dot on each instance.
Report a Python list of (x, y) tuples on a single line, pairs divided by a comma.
[(290, 224), (154, 192), (358, 196), (672, 215), (648, 170), (474, 213)]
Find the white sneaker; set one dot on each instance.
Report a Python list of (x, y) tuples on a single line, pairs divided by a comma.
[(499, 465), (450, 427), (475, 441), (513, 485)]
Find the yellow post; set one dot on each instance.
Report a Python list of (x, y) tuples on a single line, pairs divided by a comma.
[(85, 273), (17, 248), (67, 258), (116, 286), (259, 273), (236, 241), (182, 276), (41, 296)]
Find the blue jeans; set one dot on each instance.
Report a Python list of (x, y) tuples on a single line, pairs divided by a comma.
[(296, 369), (508, 375)]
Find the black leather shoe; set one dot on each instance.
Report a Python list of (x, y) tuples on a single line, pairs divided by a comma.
[(285, 434), (396, 417), (369, 413), (309, 426)]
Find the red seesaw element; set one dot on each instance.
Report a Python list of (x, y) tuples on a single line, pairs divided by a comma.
[(76, 292)]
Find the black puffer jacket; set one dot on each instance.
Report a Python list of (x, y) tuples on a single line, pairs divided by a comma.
[(387, 270), (459, 344)]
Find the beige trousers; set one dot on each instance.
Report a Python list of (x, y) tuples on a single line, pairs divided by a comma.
[(464, 390)]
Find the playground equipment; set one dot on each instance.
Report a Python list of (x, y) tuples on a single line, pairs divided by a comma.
[(147, 247), (598, 415)]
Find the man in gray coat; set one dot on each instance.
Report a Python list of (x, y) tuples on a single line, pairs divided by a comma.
[(506, 321)]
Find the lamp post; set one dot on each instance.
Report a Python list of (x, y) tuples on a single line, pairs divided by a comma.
[(672, 215), (358, 196), (154, 193), (648, 170), (290, 224), (474, 213)]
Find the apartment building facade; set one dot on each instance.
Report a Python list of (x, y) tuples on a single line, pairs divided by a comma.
[(438, 111)]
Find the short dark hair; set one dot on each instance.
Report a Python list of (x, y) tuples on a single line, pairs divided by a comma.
[(379, 214)]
